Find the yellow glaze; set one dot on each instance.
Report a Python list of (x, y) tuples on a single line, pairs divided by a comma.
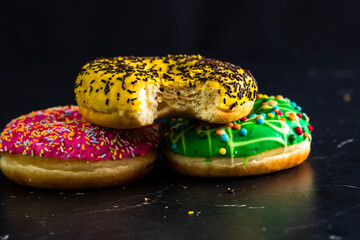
[(108, 84)]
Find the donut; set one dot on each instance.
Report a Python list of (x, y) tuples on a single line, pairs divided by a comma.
[(275, 136), (57, 149), (130, 92)]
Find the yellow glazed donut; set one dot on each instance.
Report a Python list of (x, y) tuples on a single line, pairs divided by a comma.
[(130, 92)]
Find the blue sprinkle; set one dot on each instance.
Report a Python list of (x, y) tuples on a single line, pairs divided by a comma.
[(275, 108), (293, 104), (104, 155), (252, 115), (263, 114), (132, 155), (173, 146), (298, 108), (93, 141), (242, 132), (259, 121), (273, 113), (224, 137)]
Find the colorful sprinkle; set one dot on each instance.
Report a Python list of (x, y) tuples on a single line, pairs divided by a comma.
[(222, 151), (298, 130), (224, 137), (270, 115), (310, 128), (219, 132), (292, 138), (243, 119), (242, 132), (230, 124), (236, 126), (62, 133), (259, 121)]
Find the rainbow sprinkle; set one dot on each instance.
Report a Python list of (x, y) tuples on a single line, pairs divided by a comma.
[(62, 133)]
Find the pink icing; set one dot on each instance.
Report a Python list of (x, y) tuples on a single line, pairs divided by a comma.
[(62, 133)]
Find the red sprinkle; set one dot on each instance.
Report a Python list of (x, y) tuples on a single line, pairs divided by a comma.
[(243, 119), (299, 115), (279, 113), (298, 130), (310, 128)]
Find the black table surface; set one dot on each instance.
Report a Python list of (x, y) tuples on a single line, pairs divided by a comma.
[(320, 199)]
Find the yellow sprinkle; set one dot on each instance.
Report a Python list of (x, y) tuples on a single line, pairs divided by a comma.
[(190, 212), (271, 115), (222, 151), (83, 147)]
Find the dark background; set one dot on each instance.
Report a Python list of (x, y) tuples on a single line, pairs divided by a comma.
[(308, 51), (43, 44)]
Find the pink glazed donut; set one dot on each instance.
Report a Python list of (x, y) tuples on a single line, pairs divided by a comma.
[(57, 149)]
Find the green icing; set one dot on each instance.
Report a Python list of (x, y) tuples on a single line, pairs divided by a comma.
[(194, 138)]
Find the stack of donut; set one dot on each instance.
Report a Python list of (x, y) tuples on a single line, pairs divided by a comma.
[(224, 127)]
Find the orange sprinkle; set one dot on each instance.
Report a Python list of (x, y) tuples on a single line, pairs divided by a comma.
[(236, 126), (259, 116), (306, 135), (291, 117), (219, 132), (280, 97), (282, 119), (230, 124)]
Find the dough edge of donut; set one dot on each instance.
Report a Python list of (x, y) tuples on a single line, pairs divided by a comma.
[(269, 161), (52, 173), (127, 120)]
